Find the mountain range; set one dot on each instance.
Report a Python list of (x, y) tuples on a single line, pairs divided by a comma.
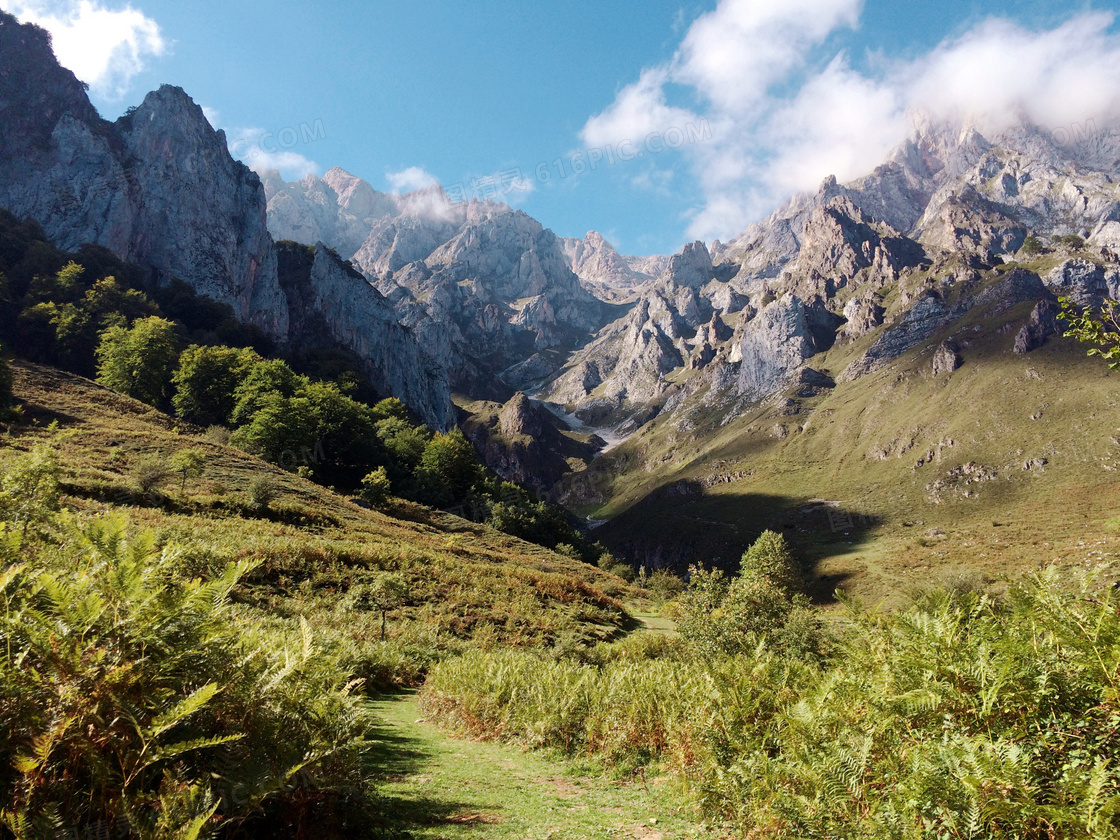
[(748, 383)]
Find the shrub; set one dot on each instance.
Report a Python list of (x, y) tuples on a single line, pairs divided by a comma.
[(29, 489), (1032, 245), (262, 491), (961, 716), (217, 434), (6, 383), (759, 605), (376, 487), (149, 473)]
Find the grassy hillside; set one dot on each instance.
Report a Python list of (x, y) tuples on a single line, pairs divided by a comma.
[(871, 481), (316, 550)]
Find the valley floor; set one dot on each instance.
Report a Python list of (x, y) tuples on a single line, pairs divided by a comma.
[(436, 786)]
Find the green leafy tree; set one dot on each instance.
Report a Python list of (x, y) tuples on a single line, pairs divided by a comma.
[(385, 592), (718, 615), (280, 429), (345, 441), (1101, 328), (188, 463), (137, 360), (770, 558), (1032, 245), (376, 487), (206, 382), (390, 408), (265, 379), (404, 442), (449, 468)]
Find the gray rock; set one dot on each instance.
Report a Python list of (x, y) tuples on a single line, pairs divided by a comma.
[(1042, 324), (337, 300), (157, 187), (606, 273), (773, 345), (947, 358), (1085, 282), (920, 322)]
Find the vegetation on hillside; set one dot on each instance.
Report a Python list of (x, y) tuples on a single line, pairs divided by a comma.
[(199, 671), (960, 716), (91, 314)]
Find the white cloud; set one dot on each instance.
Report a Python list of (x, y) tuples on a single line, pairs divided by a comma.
[(409, 180), (1000, 70), (735, 53), (104, 47), (638, 111), (785, 112), (261, 150)]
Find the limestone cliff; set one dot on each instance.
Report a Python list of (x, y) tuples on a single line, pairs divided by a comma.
[(157, 187)]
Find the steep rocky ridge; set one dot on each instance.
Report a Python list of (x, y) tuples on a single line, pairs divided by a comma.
[(159, 188), (900, 251), (329, 302), (609, 275), (148, 187)]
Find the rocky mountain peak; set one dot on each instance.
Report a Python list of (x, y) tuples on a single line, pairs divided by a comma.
[(691, 267), (158, 187)]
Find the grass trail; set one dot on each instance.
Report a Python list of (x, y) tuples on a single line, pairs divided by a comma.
[(436, 786)]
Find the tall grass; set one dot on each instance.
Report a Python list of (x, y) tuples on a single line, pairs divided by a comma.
[(958, 717)]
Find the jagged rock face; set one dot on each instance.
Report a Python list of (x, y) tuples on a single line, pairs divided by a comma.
[(677, 323), (838, 246), (1085, 282), (201, 216), (158, 187), (483, 287), (525, 443), (966, 222), (329, 298), (339, 209), (490, 284), (691, 268), (774, 345)]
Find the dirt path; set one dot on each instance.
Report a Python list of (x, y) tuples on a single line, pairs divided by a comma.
[(435, 786)]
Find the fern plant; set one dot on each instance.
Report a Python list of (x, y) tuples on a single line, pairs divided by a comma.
[(134, 697)]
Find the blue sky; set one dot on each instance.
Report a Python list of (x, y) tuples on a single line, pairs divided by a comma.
[(760, 97)]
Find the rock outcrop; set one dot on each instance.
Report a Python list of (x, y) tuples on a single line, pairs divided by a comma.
[(1042, 324), (947, 358), (527, 444)]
